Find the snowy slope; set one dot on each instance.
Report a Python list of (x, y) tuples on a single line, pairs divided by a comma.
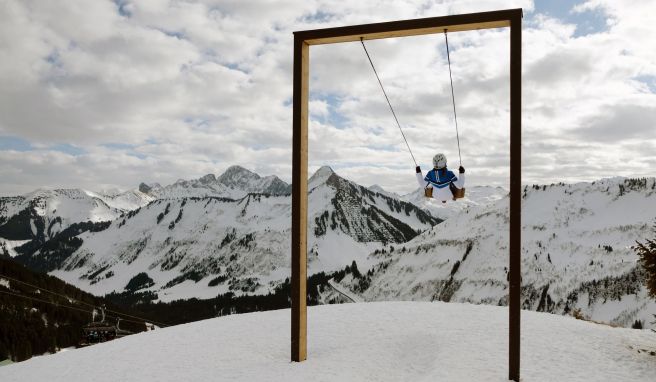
[(199, 247), (378, 188), (72, 205), (478, 196), (575, 253), (44, 213), (123, 201), (7, 246), (401, 341)]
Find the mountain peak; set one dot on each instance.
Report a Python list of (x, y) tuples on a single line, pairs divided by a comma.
[(143, 187), (324, 171), (237, 177), (320, 176), (237, 171), (209, 178)]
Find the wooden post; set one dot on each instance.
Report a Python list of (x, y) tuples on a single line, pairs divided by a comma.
[(299, 199), (515, 235), (302, 39)]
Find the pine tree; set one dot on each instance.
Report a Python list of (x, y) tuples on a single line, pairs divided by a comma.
[(354, 270), (647, 253)]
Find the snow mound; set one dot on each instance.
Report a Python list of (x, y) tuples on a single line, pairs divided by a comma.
[(360, 342)]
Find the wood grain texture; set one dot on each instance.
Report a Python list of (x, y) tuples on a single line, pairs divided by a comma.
[(299, 200), (413, 27)]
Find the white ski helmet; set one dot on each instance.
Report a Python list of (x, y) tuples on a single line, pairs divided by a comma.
[(439, 161)]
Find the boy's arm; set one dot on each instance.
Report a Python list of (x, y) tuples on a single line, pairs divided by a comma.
[(460, 182), (420, 178)]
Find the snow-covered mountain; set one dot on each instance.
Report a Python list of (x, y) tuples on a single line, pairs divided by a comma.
[(230, 233), (576, 253), (236, 182), (39, 216), (44, 213), (391, 341), (201, 246)]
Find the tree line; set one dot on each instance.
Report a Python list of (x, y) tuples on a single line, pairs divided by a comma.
[(34, 321)]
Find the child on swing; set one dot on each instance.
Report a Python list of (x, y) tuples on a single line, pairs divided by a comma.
[(439, 182)]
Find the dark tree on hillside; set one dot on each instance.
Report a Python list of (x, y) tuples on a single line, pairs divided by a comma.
[(354, 269), (647, 253)]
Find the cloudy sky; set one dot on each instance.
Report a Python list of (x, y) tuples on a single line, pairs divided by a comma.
[(106, 94)]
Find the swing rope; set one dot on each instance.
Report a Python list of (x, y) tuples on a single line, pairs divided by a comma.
[(453, 97), (387, 98)]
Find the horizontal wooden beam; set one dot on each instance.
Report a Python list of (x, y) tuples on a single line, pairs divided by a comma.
[(414, 27)]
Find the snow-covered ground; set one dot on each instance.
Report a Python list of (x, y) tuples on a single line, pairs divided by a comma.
[(391, 341), (7, 246)]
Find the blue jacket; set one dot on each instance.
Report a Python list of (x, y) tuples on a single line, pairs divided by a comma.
[(440, 180), (440, 183)]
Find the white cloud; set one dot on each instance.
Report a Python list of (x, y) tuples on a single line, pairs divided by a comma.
[(193, 87)]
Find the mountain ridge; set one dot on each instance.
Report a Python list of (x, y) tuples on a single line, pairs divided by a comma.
[(239, 244), (198, 245)]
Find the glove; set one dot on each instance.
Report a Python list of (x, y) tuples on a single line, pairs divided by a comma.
[(418, 170), (461, 170)]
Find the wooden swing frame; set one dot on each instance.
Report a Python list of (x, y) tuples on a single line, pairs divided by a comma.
[(511, 18)]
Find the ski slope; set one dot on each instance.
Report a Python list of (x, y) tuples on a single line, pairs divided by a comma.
[(391, 341), (344, 292)]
